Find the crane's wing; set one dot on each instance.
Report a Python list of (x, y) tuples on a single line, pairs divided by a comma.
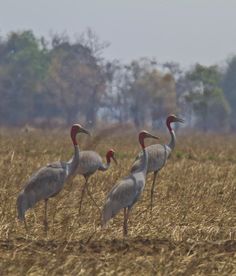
[(89, 162), (57, 165), (124, 194), (157, 155), (46, 182)]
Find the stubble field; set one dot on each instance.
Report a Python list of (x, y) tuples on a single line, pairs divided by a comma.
[(191, 230)]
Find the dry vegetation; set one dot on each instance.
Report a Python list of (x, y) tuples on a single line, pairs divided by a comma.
[(191, 231)]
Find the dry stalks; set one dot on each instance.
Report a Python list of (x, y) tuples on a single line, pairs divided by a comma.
[(191, 231)]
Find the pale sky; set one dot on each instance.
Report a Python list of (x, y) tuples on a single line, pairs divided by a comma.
[(185, 31)]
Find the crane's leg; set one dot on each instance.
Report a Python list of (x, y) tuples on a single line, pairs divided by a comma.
[(82, 195), (125, 226), (26, 227), (45, 216), (91, 197), (152, 189)]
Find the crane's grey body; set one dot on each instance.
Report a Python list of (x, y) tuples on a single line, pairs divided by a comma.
[(90, 162), (158, 154), (157, 157), (49, 180), (127, 191), (45, 183), (124, 194)]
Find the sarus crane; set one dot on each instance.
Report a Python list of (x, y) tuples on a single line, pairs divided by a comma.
[(158, 154), (49, 180), (90, 161), (127, 191)]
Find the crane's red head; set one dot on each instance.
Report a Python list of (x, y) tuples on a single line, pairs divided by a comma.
[(171, 119), (111, 154), (144, 134), (75, 129)]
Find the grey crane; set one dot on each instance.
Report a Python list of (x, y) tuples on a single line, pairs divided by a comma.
[(158, 154), (90, 161), (127, 191), (48, 181)]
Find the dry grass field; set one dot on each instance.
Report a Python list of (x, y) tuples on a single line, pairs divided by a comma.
[(191, 231)]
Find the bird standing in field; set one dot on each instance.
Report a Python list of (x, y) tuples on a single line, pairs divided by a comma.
[(158, 154), (49, 180), (127, 191), (89, 163)]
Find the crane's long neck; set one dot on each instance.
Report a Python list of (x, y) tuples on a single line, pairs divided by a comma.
[(145, 160), (172, 142), (73, 162), (106, 166), (144, 164)]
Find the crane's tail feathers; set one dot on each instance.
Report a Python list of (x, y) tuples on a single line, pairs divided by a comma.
[(110, 209)]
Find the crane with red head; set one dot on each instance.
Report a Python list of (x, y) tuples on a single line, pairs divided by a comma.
[(127, 191), (49, 180), (90, 162), (158, 154)]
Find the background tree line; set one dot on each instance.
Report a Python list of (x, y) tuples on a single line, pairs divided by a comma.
[(45, 81)]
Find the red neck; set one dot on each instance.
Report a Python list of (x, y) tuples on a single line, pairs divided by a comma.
[(141, 141), (73, 137), (168, 122), (108, 157)]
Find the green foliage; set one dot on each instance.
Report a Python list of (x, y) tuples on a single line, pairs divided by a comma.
[(152, 93), (209, 76), (74, 79), (38, 82), (26, 54), (212, 109), (23, 67), (46, 81), (209, 103)]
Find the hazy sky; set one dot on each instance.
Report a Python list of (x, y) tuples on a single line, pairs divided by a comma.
[(186, 31)]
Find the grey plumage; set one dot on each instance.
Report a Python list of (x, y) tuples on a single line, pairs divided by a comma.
[(127, 191), (158, 154), (89, 163), (48, 181), (123, 195), (45, 183)]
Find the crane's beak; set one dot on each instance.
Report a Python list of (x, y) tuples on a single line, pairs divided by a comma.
[(179, 120), (83, 130), (113, 157), (149, 135)]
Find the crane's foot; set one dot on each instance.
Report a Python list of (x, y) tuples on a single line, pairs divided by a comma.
[(45, 227), (150, 210), (150, 207), (81, 200), (79, 213), (26, 227), (125, 232), (125, 225)]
